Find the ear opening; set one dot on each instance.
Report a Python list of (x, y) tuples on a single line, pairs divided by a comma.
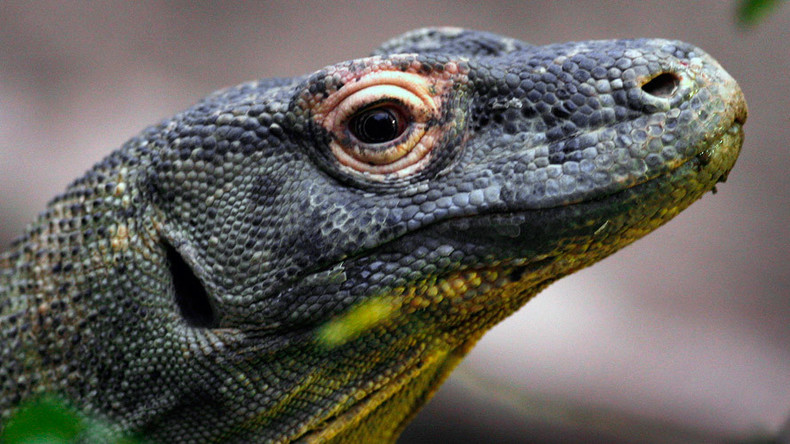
[(191, 296)]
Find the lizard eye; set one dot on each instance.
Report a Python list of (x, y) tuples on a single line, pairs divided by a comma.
[(382, 124), (381, 128)]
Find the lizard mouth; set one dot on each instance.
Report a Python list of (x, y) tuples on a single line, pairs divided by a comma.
[(646, 204)]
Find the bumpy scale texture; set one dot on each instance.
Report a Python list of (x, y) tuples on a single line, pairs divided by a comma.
[(308, 258)]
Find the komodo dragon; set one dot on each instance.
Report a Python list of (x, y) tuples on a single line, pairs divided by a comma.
[(308, 258)]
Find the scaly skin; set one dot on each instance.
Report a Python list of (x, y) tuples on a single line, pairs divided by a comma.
[(309, 258)]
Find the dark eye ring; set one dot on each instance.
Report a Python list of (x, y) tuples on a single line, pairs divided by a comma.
[(379, 124)]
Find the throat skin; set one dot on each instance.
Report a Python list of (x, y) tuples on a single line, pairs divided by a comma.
[(381, 415)]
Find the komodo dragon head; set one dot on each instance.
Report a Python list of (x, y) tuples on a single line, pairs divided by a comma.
[(308, 258)]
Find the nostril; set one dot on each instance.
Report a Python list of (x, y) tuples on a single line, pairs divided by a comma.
[(663, 85)]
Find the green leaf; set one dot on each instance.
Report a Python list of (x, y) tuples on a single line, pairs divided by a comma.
[(43, 420), (48, 419), (750, 12)]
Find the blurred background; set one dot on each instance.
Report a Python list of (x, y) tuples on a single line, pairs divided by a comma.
[(682, 337)]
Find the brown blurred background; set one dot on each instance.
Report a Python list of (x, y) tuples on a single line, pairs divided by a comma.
[(685, 335)]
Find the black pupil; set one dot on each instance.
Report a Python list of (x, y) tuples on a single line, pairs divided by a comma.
[(377, 125)]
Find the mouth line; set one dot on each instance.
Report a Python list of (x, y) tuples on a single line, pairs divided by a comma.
[(709, 148)]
